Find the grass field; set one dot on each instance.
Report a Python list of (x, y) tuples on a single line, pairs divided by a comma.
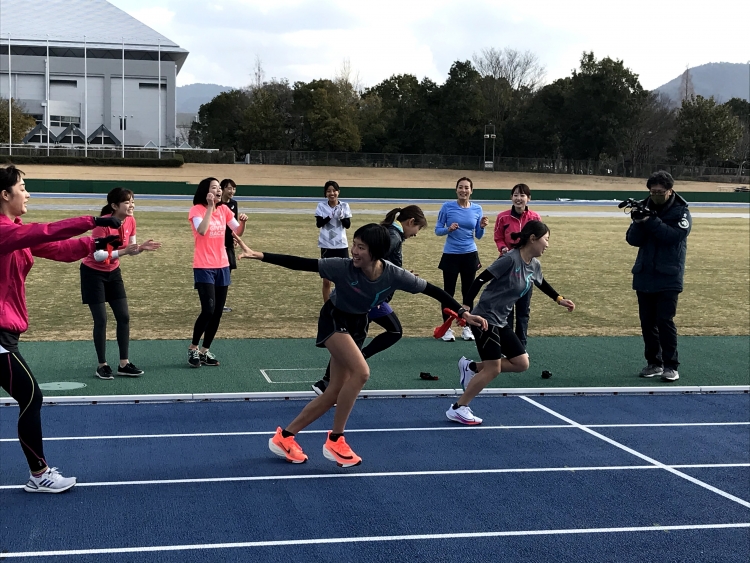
[(588, 261)]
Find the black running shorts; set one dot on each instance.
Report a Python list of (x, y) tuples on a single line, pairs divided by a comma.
[(334, 320), (101, 287), (496, 342)]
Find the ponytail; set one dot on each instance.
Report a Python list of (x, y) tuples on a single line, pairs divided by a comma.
[(536, 228), (402, 214)]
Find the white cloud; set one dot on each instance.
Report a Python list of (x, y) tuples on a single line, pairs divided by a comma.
[(307, 39)]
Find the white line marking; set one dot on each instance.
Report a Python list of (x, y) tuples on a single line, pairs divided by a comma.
[(376, 430), (367, 539), (269, 380), (644, 457), (385, 474)]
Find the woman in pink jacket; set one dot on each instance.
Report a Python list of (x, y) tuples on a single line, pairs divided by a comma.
[(19, 244), (508, 222)]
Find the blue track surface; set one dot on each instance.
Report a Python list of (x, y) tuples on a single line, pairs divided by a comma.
[(541, 480)]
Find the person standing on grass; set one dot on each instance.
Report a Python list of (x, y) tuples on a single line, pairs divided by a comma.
[(362, 282), (208, 221), (101, 282), (661, 238), (402, 224), (19, 244), (513, 221), (508, 278), (460, 221), (332, 217), (228, 189)]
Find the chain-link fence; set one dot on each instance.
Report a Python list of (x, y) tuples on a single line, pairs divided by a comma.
[(500, 164)]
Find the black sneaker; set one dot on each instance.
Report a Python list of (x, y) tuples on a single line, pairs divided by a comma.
[(194, 358), (104, 372), (129, 370), (208, 359), (320, 387)]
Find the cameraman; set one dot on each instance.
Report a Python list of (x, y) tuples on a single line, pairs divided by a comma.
[(659, 229)]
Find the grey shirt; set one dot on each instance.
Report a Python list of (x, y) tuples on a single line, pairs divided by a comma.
[(357, 294), (513, 279)]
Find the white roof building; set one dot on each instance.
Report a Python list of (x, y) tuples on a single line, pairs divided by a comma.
[(66, 68)]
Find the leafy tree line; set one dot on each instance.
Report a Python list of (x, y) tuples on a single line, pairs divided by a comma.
[(600, 111)]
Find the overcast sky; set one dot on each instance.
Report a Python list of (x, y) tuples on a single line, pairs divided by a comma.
[(307, 39)]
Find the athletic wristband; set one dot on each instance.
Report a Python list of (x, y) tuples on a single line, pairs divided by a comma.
[(559, 298)]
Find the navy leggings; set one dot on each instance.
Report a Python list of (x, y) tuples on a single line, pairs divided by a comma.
[(18, 381)]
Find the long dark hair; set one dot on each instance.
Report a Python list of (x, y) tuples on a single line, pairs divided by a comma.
[(376, 238), (536, 228), (116, 196), (200, 194), (402, 214)]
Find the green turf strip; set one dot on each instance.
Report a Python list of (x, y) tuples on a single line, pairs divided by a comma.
[(292, 363)]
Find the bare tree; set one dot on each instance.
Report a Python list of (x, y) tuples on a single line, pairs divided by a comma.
[(522, 70), (259, 74), (687, 91), (348, 78)]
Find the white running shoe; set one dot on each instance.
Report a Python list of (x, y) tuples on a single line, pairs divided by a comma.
[(449, 336), (462, 415), (466, 333), (49, 482), (464, 372)]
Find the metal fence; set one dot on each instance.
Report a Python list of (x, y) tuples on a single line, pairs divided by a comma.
[(500, 164)]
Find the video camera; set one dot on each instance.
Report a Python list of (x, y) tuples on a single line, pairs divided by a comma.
[(637, 209)]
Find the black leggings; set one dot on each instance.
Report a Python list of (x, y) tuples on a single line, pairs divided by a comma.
[(213, 297), (16, 378), (383, 341), (451, 277), (122, 316)]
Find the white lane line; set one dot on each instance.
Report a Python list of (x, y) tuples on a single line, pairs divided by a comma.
[(376, 430), (372, 539), (644, 457), (385, 474)]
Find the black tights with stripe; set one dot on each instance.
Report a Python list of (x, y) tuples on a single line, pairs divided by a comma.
[(16, 378)]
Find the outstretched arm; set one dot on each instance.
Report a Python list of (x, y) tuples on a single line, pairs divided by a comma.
[(16, 237), (447, 301), (556, 297), (283, 260)]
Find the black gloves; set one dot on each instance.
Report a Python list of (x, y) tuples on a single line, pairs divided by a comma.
[(640, 213), (110, 221), (112, 240)]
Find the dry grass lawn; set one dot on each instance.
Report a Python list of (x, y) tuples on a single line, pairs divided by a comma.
[(588, 261)]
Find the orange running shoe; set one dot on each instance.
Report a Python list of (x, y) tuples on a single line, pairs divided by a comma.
[(288, 448), (340, 452)]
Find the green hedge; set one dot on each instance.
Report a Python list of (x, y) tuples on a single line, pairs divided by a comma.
[(175, 162)]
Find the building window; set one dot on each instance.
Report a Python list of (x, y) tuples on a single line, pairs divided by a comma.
[(64, 120), (153, 85), (61, 82)]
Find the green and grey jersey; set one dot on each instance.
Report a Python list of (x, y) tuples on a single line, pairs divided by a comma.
[(355, 293), (512, 279)]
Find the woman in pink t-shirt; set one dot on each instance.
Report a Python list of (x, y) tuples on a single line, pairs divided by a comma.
[(209, 221), (101, 282)]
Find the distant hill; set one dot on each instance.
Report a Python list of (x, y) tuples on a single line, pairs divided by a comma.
[(723, 81), (191, 97)]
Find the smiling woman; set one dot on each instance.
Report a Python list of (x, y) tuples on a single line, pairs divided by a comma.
[(20, 244), (362, 282)]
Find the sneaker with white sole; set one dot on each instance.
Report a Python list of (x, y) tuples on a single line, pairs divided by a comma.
[(104, 372), (464, 372), (466, 333), (448, 336), (651, 370), (462, 415), (194, 358), (320, 386), (670, 374), (49, 482), (208, 359), (129, 370)]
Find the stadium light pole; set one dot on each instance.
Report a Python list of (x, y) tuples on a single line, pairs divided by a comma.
[(158, 98), (85, 102), (47, 91), (124, 117), (10, 105), (489, 133)]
